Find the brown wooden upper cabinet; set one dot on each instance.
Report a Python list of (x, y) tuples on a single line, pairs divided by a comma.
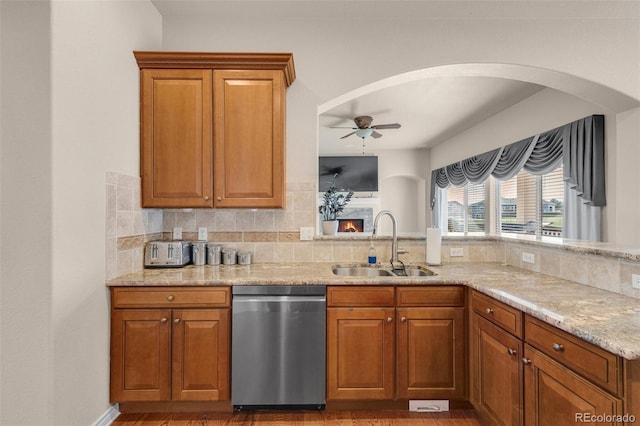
[(212, 129)]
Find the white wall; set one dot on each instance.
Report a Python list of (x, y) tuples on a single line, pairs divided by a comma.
[(339, 47), (401, 199), (623, 172), (95, 130), (403, 176), (25, 215), (70, 114)]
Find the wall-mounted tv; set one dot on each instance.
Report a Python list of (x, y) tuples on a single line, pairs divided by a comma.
[(355, 173)]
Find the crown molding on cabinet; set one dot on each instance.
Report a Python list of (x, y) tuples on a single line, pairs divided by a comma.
[(219, 60)]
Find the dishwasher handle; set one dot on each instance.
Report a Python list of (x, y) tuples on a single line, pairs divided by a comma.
[(282, 299)]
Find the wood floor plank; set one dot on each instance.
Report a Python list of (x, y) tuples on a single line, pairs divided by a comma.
[(306, 418)]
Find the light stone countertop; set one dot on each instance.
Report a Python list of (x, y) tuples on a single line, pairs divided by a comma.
[(606, 319)]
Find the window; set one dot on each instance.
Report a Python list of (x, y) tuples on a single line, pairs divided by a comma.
[(466, 207), (531, 204)]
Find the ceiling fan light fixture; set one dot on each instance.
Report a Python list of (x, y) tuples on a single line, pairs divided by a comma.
[(364, 133)]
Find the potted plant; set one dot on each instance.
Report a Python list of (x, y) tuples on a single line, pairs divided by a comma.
[(333, 203)]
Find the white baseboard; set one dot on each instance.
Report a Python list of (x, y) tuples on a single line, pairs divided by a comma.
[(109, 416)]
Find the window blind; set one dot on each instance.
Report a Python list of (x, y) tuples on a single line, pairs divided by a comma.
[(530, 204), (466, 208)]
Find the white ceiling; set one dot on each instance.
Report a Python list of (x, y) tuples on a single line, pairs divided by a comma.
[(430, 111)]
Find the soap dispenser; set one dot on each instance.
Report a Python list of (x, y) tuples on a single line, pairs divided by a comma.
[(372, 254)]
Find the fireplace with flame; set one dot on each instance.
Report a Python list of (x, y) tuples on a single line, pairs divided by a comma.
[(350, 225)]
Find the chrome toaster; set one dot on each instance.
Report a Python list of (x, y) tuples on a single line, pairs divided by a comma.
[(167, 254)]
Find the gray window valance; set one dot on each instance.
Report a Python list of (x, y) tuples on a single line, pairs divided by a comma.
[(578, 146)]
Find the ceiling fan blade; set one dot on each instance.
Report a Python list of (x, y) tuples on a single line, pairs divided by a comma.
[(375, 134), (347, 135), (386, 126), (343, 127)]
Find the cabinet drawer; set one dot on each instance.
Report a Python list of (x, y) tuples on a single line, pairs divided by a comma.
[(360, 296), (497, 312), (431, 296), (586, 359), (166, 297)]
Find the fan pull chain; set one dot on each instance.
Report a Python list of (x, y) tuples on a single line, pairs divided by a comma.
[(362, 146)]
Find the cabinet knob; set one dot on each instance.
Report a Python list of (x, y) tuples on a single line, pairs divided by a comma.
[(170, 298), (163, 320), (176, 321), (389, 319), (403, 319), (511, 351), (526, 361), (219, 198), (206, 198), (557, 347), (489, 310)]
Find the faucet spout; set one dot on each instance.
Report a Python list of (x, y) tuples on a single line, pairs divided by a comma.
[(394, 242)]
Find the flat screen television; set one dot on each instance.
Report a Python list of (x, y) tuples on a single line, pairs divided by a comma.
[(355, 173)]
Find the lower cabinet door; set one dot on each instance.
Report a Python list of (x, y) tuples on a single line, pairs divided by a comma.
[(360, 353), (555, 396), (140, 355), (496, 373), (200, 355), (431, 353)]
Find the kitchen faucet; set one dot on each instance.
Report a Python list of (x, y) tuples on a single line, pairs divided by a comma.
[(394, 242)]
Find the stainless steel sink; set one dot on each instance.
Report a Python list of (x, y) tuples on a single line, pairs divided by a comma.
[(365, 270), (361, 271), (414, 271)]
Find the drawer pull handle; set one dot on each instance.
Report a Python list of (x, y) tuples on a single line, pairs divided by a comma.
[(511, 351), (389, 319), (176, 321), (526, 361), (558, 347), (403, 319), (489, 311), (170, 298), (163, 320)]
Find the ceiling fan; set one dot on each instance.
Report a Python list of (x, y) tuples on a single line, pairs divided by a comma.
[(365, 129)]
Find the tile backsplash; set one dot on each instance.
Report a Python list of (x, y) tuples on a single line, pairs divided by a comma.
[(127, 226), (273, 236)]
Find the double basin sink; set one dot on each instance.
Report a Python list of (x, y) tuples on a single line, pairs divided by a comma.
[(366, 270)]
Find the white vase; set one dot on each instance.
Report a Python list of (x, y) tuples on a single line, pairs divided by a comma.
[(329, 227)]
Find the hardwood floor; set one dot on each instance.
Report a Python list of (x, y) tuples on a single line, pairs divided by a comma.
[(334, 418)]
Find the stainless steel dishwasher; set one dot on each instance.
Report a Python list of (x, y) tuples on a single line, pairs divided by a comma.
[(278, 347)]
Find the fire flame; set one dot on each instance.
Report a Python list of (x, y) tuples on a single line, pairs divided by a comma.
[(349, 226)]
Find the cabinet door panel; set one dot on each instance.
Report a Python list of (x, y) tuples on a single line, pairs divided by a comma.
[(555, 396), (431, 353), (496, 373), (140, 355), (249, 138), (176, 138), (200, 354), (360, 353)]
